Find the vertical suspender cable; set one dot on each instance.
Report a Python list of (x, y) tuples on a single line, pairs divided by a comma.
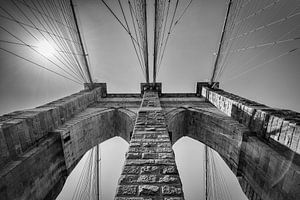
[(155, 40), (146, 37), (97, 173), (81, 43), (221, 42), (206, 172)]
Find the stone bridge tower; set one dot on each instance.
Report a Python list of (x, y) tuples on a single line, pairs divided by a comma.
[(39, 147)]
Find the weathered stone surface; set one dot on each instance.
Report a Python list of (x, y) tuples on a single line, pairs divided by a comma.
[(148, 190), (166, 156), (165, 161), (150, 151), (128, 179), (171, 190), (69, 117), (131, 170), (134, 198), (271, 124), (140, 161), (149, 170), (169, 170), (133, 155), (173, 198), (127, 190), (166, 145), (169, 179), (149, 155), (42, 167), (20, 130), (146, 179), (164, 150), (263, 157), (259, 144), (98, 124)]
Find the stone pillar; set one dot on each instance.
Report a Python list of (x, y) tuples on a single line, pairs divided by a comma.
[(150, 170), (201, 85), (276, 126), (32, 162), (269, 157)]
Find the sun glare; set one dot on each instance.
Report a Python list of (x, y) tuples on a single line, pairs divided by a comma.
[(45, 48)]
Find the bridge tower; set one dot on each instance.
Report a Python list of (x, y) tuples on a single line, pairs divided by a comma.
[(41, 146)]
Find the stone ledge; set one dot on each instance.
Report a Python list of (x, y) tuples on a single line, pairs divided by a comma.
[(153, 87), (22, 129), (150, 162), (274, 125)]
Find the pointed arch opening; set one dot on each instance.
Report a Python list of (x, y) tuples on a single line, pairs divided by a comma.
[(93, 127), (190, 160), (111, 160), (212, 128)]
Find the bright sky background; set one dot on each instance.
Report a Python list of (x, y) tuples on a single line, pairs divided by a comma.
[(188, 59), (189, 159)]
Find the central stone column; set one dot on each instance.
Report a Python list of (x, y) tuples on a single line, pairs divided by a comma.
[(150, 171)]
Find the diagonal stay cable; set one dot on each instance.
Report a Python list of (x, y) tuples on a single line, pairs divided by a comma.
[(63, 46), (182, 14), (129, 32), (69, 17), (268, 47), (37, 51), (262, 64), (168, 36), (137, 10), (136, 35), (28, 6), (66, 62), (110, 10), (40, 65)]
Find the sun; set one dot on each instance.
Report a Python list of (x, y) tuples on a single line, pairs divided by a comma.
[(45, 48)]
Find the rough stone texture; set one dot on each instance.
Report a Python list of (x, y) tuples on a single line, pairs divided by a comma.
[(268, 162), (275, 125), (37, 171), (133, 198), (212, 128), (150, 156), (20, 130), (151, 87), (127, 189), (32, 163), (148, 190), (40, 147), (89, 128), (171, 190)]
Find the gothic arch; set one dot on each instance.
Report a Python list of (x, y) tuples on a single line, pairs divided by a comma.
[(82, 133), (210, 127), (43, 170), (256, 163), (90, 128)]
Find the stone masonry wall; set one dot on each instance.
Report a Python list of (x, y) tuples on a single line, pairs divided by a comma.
[(269, 163), (20, 130), (150, 170), (37, 171), (274, 125), (90, 128)]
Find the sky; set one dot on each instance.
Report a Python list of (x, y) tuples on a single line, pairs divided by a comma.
[(190, 170), (189, 58)]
